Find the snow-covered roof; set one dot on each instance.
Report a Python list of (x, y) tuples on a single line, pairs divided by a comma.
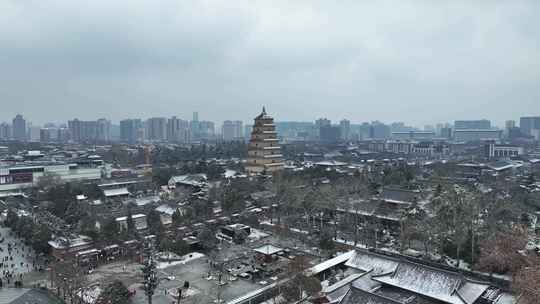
[(366, 282), (89, 251), (502, 165), (114, 184), (356, 296), (229, 173), (470, 291), (341, 283), (372, 262), (342, 258), (166, 209), (330, 163), (60, 243), (96, 202), (505, 298), (399, 195), (141, 201), (115, 192), (189, 179), (268, 249), (437, 284), (134, 216)]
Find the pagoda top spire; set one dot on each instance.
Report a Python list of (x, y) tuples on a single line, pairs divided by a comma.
[(263, 114)]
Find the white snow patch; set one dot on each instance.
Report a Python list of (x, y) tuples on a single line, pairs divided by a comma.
[(184, 260)]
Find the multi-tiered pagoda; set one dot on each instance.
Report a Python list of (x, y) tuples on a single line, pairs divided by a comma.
[(264, 152)]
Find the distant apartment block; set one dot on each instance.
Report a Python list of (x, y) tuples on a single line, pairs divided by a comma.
[(530, 126), (19, 128), (472, 124), (467, 135), (413, 135), (232, 130)]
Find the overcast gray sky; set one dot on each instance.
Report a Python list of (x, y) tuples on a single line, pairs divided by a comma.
[(414, 61)]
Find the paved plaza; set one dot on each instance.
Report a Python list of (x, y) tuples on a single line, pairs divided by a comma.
[(18, 262)]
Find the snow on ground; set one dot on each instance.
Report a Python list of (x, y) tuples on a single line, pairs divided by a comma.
[(191, 291), (229, 173), (257, 234), (299, 231), (184, 260)]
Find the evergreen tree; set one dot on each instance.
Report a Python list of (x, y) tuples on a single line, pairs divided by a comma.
[(149, 272), (130, 223), (116, 293)]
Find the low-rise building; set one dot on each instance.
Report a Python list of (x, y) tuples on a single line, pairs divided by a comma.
[(502, 151), (26, 175), (63, 248), (139, 220)]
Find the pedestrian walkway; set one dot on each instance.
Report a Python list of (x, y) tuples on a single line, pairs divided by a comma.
[(17, 259)]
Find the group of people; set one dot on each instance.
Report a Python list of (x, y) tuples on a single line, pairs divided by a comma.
[(16, 259)]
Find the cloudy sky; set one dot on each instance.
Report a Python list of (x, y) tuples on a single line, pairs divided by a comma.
[(415, 61)]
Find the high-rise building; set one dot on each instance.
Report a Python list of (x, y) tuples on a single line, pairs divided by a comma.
[(378, 130), (438, 128), (323, 122), (231, 130), (5, 131), (319, 123), (19, 128), (34, 133), (264, 151), (178, 130), (481, 124), (509, 125), (129, 130), (64, 135), (206, 129), (446, 132), (82, 130), (103, 129), (345, 129), (156, 128), (400, 127), (329, 133), (529, 125), (49, 134)]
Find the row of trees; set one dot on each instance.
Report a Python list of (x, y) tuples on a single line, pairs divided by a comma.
[(35, 235)]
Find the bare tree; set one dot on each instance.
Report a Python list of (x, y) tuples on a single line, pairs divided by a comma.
[(503, 252), (526, 282)]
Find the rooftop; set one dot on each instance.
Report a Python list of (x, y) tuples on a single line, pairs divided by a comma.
[(441, 285), (268, 249), (356, 296), (115, 192)]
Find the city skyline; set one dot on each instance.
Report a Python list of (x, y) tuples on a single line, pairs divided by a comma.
[(270, 152), (349, 60), (188, 117)]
